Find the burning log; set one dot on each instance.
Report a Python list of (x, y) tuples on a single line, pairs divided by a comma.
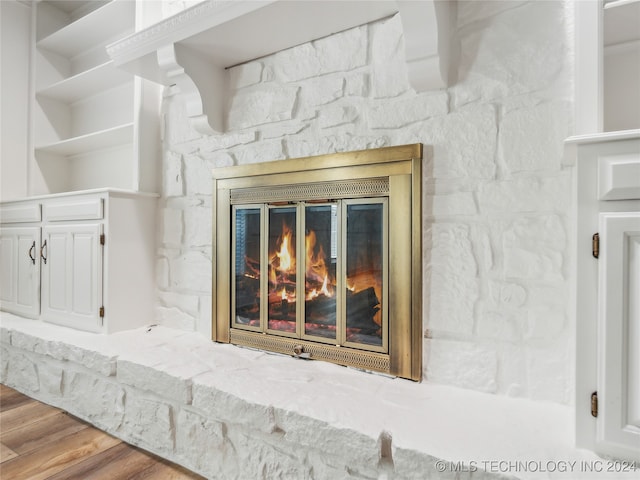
[(253, 266), (321, 310), (282, 309), (247, 298), (249, 284), (362, 307)]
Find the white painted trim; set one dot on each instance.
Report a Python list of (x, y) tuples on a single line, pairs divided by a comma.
[(588, 69), (603, 137)]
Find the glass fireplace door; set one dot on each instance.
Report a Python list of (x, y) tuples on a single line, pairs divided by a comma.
[(313, 270), (282, 294), (365, 266), (321, 266)]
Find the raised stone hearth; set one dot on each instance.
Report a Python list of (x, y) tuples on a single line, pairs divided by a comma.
[(228, 412)]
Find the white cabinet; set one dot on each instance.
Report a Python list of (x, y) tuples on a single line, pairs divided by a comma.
[(619, 328), (20, 270), (84, 260), (94, 125), (608, 293), (72, 274)]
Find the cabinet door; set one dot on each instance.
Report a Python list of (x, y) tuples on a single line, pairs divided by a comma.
[(618, 423), (20, 270), (72, 275)]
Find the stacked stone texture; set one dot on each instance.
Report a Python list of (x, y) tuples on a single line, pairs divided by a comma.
[(497, 203), (230, 413)]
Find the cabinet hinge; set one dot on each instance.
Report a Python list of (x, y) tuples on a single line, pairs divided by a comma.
[(102, 239), (595, 245), (101, 312), (594, 404)]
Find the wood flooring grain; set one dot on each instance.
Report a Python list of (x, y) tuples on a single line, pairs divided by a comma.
[(38, 434), (6, 454), (10, 398), (121, 461), (25, 414), (40, 442), (55, 457)]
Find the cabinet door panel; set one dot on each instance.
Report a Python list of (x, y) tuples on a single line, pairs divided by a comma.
[(619, 329), (28, 295), (8, 275), (72, 276), (84, 278), (19, 273), (55, 270)]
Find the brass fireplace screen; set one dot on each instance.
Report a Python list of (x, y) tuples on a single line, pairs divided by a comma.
[(320, 258)]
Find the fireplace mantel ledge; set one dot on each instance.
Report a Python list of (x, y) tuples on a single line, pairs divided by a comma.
[(312, 404), (193, 48)]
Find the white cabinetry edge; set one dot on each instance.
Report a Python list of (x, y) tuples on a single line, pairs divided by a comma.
[(192, 48), (603, 137), (593, 154)]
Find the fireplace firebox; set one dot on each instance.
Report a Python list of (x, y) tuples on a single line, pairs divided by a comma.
[(320, 258)]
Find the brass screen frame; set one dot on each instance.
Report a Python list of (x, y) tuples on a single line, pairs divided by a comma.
[(402, 165)]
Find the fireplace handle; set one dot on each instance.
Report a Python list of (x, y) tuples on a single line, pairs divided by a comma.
[(298, 351)]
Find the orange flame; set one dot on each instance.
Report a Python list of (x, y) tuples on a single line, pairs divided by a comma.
[(316, 268), (282, 264), (286, 260), (324, 290)]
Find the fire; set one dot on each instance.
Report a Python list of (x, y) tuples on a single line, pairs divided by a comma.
[(316, 268), (324, 290), (282, 269), (286, 261)]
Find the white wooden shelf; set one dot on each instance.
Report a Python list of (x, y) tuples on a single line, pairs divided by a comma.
[(193, 48), (87, 110), (93, 141), (604, 137), (99, 26), (622, 22), (85, 84)]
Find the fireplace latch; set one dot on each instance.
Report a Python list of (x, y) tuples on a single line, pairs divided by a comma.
[(298, 351)]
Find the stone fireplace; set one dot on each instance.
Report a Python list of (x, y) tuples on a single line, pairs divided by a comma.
[(320, 258)]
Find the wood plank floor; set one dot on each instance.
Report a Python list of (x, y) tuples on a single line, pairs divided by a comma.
[(39, 442)]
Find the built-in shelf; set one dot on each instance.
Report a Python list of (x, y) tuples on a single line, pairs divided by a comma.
[(604, 137), (194, 47), (86, 83), (621, 64), (621, 22), (93, 141), (94, 124), (94, 28)]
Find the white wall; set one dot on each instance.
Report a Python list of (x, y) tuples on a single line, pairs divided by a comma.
[(15, 28), (498, 222)]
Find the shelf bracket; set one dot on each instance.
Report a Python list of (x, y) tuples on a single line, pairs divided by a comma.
[(193, 48), (426, 26), (201, 83)]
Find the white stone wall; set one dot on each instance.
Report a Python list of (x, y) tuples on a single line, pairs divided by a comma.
[(498, 219)]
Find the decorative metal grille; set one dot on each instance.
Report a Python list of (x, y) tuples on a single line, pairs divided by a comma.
[(366, 187), (340, 355)]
